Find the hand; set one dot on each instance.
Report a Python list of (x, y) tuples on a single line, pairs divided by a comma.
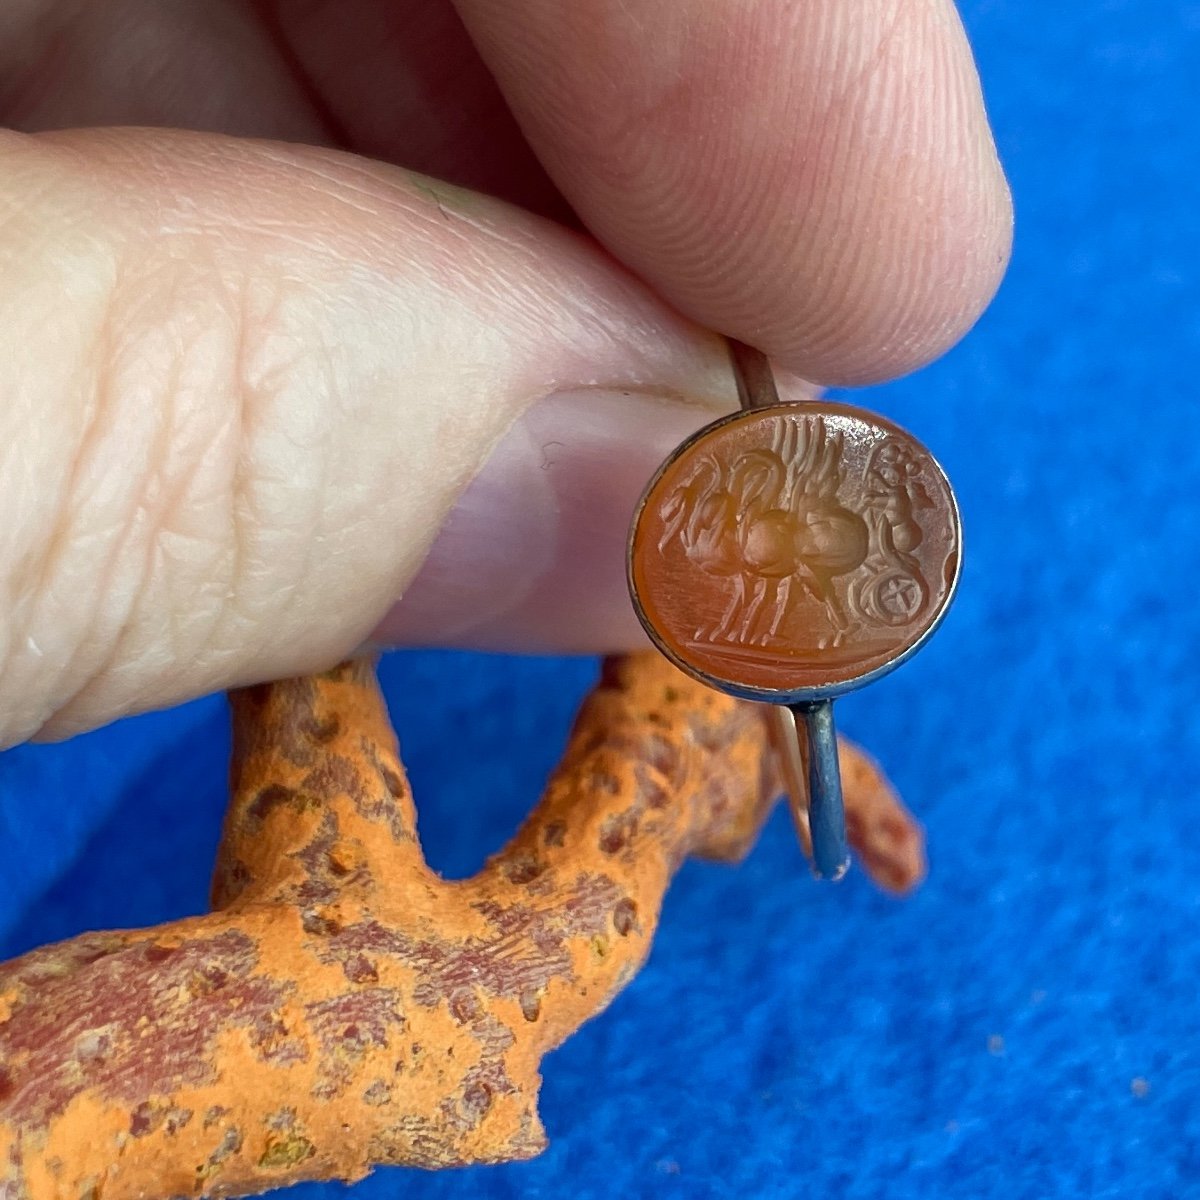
[(265, 399)]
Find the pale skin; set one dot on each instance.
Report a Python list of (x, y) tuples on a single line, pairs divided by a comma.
[(268, 394)]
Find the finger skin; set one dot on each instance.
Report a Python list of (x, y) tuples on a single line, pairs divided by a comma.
[(142, 62), (815, 178), (404, 83), (401, 83), (567, 478), (244, 385)]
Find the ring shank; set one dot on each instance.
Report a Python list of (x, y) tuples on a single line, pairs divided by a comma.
[(806, 745), (804, 733), (752, 370)]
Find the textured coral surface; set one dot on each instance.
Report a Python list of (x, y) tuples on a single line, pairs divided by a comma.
[(343, 1006)]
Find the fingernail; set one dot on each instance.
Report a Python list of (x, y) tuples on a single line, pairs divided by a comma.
[(532, 558)]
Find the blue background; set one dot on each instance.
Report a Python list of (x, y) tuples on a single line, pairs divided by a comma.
[(787, 1039)]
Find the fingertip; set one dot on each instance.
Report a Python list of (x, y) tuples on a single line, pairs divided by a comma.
[(817, 180), (903, 298)]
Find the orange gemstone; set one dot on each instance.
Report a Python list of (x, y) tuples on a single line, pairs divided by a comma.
[(795, 550)]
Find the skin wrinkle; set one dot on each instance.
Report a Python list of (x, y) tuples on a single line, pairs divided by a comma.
[(317, 520), (230, 431), (241, 517), (169, 598), (260, 376), (251, 378), (118, 550), (56, 539), (519, 245), (341, 193), (394, 203), (305, 570), (152, 295), (126, 532), (148, 512), (280, 174), (41, 560), (161, 504)]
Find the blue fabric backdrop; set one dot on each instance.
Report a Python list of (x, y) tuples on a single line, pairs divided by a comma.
[(789, 1039)]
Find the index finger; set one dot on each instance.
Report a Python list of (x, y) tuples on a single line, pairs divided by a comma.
[(814, 177)]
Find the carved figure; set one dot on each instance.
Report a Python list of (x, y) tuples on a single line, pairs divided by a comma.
[(771, 520)]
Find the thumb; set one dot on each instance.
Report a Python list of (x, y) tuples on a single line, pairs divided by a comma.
[(246, 387)]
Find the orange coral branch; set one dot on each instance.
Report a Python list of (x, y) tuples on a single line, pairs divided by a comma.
[(343, 1006)]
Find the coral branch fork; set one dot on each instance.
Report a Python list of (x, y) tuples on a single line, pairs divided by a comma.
[(343, 1007)]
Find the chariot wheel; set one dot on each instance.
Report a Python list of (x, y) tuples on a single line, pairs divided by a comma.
[(894, 597)]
